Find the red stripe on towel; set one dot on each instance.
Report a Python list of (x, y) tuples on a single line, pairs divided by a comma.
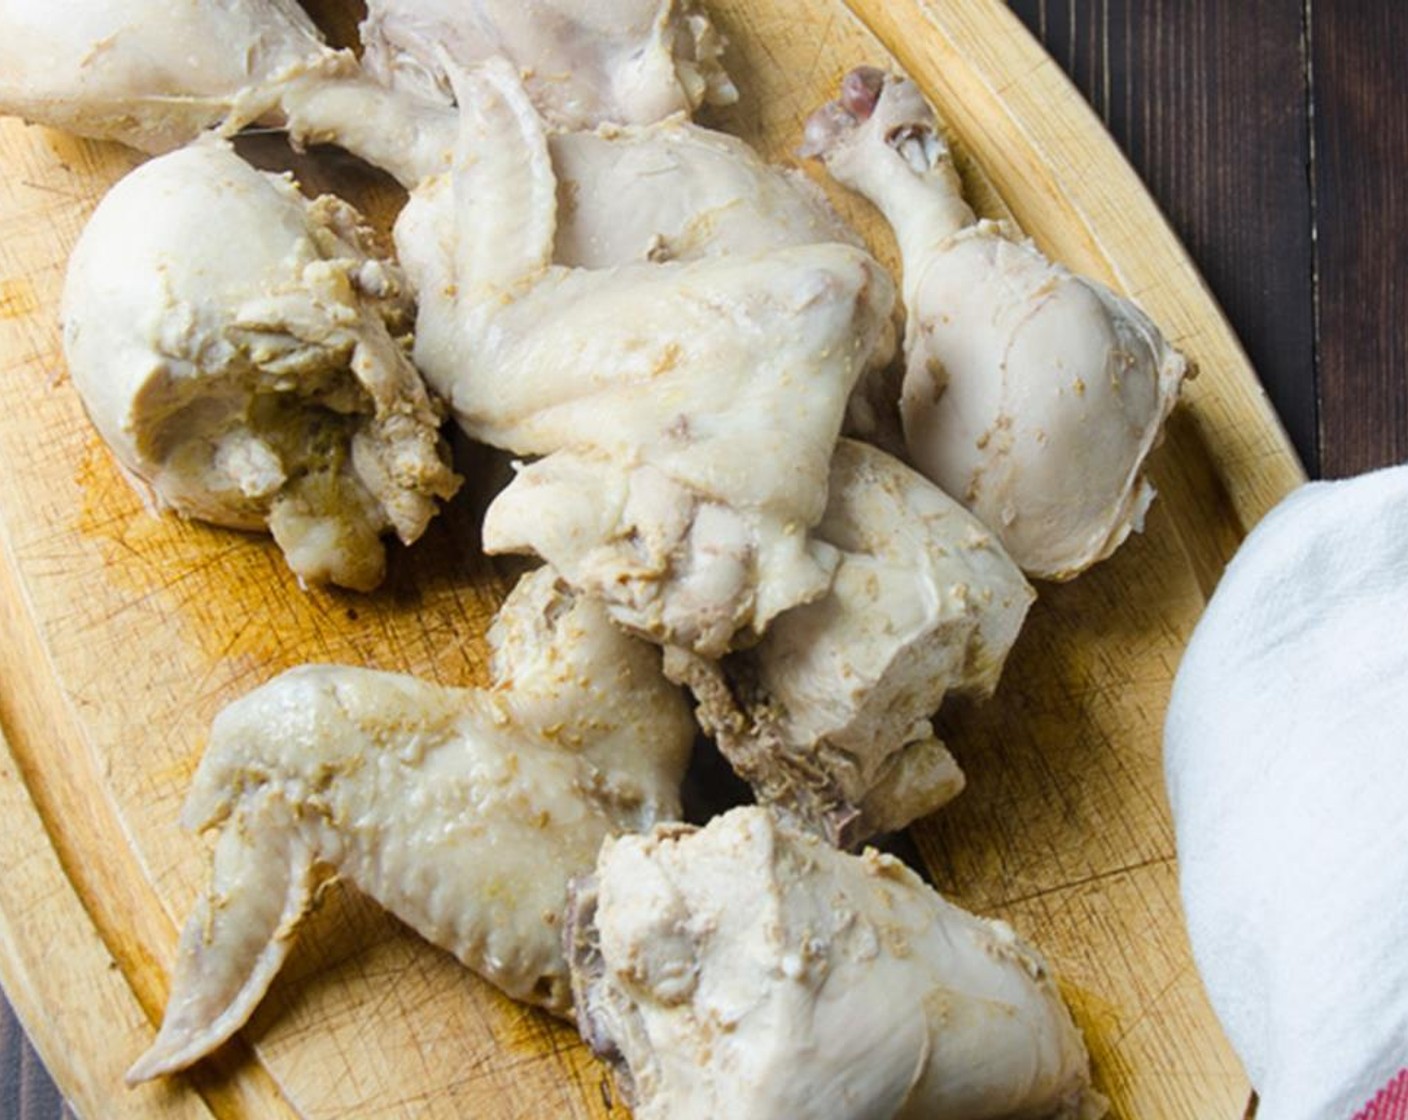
[(1390, 1102)]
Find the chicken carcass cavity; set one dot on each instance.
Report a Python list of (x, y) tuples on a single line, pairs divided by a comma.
[(243, 352), (463, 812), (750, 971), (1030, 394)]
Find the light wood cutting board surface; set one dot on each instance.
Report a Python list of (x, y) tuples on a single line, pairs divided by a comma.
[(122, 634)]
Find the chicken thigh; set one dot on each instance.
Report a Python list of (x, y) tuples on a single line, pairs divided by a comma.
[(652, 392), (585, 62), (243, 352), (751, 971), (1031, 395), (828, 716), (463, 812)]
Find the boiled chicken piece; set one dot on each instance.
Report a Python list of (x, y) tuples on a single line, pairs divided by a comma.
[(156, 73), (651, 393), (674, 191), (243, 352), (586, 62), (828, 716), (752, 971), (1032, 395), (463, 812)]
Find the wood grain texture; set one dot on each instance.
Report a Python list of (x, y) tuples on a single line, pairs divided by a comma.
[(125, 634), (1210, 103), (1361, 226)]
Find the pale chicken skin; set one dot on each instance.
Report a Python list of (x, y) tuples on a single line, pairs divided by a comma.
[(244, 353), (154, 74), (464, 812), (675, 191), (828, 716), (650, 392), (586, 62), (750, 971), (1032, 395)]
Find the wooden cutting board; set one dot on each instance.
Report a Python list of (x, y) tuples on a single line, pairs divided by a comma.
[(122, 634)]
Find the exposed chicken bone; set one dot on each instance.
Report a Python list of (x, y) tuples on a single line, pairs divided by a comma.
[(828, 716), (1032, 395)]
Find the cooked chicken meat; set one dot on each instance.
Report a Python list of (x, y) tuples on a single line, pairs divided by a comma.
[(586, 62), (1032, 395), (651, 392), (751, 971), (463, 812), (155, 75), (828, 716), (242, 351), (677, 192)]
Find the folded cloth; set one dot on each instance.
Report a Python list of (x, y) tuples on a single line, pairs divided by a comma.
[(1286, 757)]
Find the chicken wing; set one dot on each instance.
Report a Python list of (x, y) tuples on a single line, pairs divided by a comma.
[(463, 812), (651, 392)]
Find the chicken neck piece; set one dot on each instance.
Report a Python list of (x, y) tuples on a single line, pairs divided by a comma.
[(748, 970), (586, 62), (465, 813), (243, 352), (683, 413), (828, 716), (1030, 394)]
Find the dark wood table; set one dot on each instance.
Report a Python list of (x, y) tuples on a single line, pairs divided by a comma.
[(1274, 134)]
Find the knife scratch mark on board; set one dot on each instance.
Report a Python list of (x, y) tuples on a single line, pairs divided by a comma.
[(17, 299)]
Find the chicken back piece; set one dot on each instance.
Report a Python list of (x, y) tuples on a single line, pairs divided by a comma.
[(1030, 394), (586, 62), (828, 716), (242, 351), (751, 971), (465, 813), (652, 392)]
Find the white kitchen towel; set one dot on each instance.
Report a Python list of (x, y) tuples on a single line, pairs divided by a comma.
[(1286, 757)]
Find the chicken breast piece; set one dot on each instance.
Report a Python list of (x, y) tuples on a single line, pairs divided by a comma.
[(243, 352), (465, 813), (649, 392), (828, 716), (1030, 394), (585, 62), (751, 971)]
